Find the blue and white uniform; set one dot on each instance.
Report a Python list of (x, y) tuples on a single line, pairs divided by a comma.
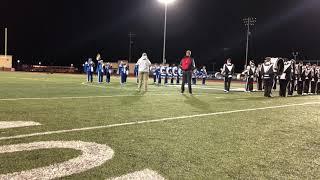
[(123, 72), (180, 74), (108, 71), (194, 76), (164, 74), (100, 71), (203, 75), (174, 72), (90, 70), (85, 67), (136, 72), (153, 72), (158, 74)]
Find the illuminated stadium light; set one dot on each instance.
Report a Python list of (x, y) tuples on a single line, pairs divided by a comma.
[(166, 2)]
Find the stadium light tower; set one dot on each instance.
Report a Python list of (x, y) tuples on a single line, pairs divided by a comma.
[(165, 2), (249, 21)]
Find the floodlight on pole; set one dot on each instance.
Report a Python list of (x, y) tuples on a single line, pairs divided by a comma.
[(249, 21), (165, 2)]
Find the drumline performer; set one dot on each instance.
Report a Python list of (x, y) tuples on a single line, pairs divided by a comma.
[(250, 73), (285, 78), (228, 72)]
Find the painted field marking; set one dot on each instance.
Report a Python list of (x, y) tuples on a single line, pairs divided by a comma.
[(88, 97), (122, 88), (152, 121), (146, 174), (92, 155), (16, 124)]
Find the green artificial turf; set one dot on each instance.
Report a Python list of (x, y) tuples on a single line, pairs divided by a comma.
[(276, 143)]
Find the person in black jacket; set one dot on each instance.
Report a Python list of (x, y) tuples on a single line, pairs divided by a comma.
[(259, 77), (268, 76), (293, 78), (285, 78), (299, 71), (307, 76), (314, 79), (227, 71), (187, 65)]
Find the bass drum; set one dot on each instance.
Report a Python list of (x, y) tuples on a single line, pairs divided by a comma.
[(278, 65), (241, 76), (218, 75)]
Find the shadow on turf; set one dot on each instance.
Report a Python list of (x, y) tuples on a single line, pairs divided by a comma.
[(196, 103)]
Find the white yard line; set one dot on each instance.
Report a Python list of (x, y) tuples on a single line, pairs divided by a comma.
[(153, 121), (140, 175), (16, 124)]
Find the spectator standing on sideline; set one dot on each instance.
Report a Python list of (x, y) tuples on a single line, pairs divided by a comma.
[(144, 67), (187, 65)]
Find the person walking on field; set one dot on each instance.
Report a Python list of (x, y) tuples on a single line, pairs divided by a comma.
[(187, 65), (144, 67)]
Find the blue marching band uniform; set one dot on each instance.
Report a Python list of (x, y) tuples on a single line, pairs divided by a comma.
[(136, 72), (100, 71), (108, 72), (123, 71), (89, 69)]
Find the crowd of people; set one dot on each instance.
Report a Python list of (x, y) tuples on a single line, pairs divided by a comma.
[(292, 76), (165, 74)]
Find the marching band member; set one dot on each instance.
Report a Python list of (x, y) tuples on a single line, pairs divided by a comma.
[(285, 78), (259, 77), (121, 73), (275, 81), (169, 74), (90, 70), (175, 72), (194, 77), (166, 76), (227, 71), (313, 79), (108, 71), (85, 67), (136, 72), (307, 78), (180, 74), (318, 79), (153, 72), (250, 72), (268, 76), (164, 73), (126, 72), (293, 77), (158, 73), (100, 71), (299, 70), (204, 75)]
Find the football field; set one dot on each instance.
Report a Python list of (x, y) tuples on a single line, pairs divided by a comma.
[(59, 126)]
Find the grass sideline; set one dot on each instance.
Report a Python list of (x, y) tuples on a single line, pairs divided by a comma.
[(280, 143)]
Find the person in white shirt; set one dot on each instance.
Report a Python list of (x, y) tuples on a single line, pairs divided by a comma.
[(144, 67)]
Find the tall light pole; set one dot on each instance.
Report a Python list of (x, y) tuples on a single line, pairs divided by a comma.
[(249, 21), (166, 2), (5, 41), (131, 36)]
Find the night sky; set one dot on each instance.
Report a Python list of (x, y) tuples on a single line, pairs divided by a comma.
[(64, 32)]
